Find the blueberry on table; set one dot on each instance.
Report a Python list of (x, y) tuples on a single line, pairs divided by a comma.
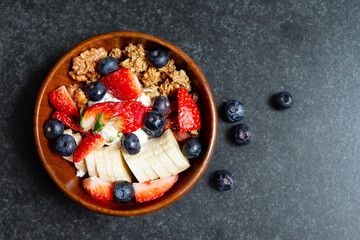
[(234, 110), (108, 65), (242, 134), (131, 143), (192, 148), (159, 58), (224, 180), (154, 134), (284, 100), (162, 105), (96, 91), (53, 128), (65, 145), (123, 192), (154, 121)]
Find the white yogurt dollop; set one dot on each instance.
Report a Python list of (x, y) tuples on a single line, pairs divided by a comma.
[(80, 173), (143, 137), (112, 136)]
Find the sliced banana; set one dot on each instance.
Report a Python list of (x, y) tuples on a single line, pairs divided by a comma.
[(90, 165), (171, 147), (100, 163), (154, 163), (120, 170), (108, 164), (135, 167), (162, 157)]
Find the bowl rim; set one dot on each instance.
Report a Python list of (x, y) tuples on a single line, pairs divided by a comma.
[(179, 193)]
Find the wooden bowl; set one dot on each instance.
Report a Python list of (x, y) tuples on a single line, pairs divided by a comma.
[(63, 173)]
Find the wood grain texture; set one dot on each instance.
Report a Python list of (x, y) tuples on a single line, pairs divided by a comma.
[(63, 173)]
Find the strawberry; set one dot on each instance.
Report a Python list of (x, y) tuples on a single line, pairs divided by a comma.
[(98, 188), (62, 101), (150, 190), (126, 116), (122, 84), (188, 113), (88, 120), (88, 144), (68, 121)]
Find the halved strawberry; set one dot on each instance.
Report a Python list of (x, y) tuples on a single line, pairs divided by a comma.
[(150, 190), (62, 101), (98, 188), (122, 84), (88, 120), (88, 144), (68, 121), (188, 113), (126, 117)]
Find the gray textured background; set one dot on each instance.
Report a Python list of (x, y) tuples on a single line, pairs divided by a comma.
[(299, 179)]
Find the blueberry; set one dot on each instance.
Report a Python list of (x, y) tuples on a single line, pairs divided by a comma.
[(284, 100), (53, 128), (131, 143), (162, 105), (123, 192), (96, 91), (243, 134), (156, 133), (192, 148), (108, 65), (159, 58), (154, 121), (65, 145), (234, 110), (224, 180)]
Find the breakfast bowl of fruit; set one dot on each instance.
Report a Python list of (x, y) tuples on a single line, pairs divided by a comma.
[(125, 124)]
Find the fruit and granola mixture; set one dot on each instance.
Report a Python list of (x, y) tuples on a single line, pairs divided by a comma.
[(123, 120)]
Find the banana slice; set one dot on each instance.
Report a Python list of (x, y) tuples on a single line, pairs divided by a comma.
[(120, 170), (154, 163), (162, 157), (171, 147), (134, 166), (90, 165), (100, 163), (108, 165)]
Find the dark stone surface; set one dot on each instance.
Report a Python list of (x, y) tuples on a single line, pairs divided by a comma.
[(299, 179)]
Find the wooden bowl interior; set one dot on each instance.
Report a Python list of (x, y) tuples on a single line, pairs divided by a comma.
[(64, 173)]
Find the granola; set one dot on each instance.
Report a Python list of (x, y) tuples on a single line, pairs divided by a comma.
[(116, 53), (136, 59), (84, 65)]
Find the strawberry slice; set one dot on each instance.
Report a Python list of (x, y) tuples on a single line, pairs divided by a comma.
[(122, 84), (150, 190), (188, 113), (68, 121), (88, 144), (98, 188), (88, 120), (126, 117), (62, 101)]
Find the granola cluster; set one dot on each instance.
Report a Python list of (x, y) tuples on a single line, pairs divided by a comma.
[(164, 81), (84, 65)]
